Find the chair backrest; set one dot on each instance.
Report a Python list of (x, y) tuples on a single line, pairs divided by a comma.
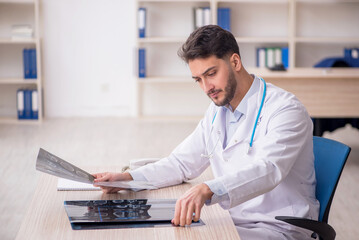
[(330, 157)]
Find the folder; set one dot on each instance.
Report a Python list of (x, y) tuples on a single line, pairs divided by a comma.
[(26, 62), (224, 18), (27, 104), (270, 62), (142, 62), (277, 56), (34, 105), (198, 17), (285, 57), (261, 57), (33, 68), (206, 16), (20, 104), (142, 22)]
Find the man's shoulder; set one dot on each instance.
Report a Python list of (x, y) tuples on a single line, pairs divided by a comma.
[(281, 96), (280, 99)]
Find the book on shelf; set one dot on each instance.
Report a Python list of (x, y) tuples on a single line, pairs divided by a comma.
[(21, 32), (29, 62), (27, 104), (141, 62), (142, 12), (202, 17), (224, 18), (272, 56)]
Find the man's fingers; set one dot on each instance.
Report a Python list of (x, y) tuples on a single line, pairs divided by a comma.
[(189, 215), (197, 212), (183, 213), (176, 218), (102, 177)]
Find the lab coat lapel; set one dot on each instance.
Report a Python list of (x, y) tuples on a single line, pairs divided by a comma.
[(245, 128), (219, 126)]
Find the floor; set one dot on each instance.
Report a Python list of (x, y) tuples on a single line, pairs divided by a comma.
[(114, 141)]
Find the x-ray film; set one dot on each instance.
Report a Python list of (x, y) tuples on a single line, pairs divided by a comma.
[(51, 164)]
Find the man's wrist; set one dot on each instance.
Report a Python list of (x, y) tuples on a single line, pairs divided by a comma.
[(206, 191), (127, 176)]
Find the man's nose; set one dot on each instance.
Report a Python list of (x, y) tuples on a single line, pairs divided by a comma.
[(207, 86)]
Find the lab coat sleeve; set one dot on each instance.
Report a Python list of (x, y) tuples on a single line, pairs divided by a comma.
[(184, 163), (277, 151)]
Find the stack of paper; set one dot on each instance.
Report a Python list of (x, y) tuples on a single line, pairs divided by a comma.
[(21, 32)]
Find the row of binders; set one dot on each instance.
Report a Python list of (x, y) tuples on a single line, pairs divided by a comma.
[(29, 60), (201, 17), (266, 58), (27, 104), (272, 56)]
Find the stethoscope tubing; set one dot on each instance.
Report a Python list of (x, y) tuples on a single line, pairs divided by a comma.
[(255, 123)]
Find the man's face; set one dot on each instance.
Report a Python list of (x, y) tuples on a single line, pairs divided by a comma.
[(215, 77)]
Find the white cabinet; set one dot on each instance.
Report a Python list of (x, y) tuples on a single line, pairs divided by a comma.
[(12, 13), (312, 30)]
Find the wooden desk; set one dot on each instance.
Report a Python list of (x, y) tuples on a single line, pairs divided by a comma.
[(326, 93), (46, 217)]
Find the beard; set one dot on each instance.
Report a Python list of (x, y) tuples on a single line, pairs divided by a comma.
[(229, 91)]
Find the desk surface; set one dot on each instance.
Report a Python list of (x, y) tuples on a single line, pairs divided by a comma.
[(46, 217)]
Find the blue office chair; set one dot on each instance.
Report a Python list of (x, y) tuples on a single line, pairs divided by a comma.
[(330, 157)]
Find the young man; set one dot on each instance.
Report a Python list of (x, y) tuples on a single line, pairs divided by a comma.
[(256, 137)]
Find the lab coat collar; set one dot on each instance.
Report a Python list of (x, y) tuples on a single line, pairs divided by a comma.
[(243, 105), (250, 106), (253, 90)]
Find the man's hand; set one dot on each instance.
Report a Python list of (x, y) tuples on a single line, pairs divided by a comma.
[(111, 177), (191, 202)]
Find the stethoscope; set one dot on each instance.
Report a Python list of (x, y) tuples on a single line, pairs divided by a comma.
[(210, 155)]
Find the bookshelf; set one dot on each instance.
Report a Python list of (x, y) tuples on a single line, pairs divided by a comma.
[(18, 12), (312, 30)]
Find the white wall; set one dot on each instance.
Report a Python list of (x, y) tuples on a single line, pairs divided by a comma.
[(88, 55)]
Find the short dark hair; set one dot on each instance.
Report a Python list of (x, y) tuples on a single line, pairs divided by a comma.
[(207, 41)]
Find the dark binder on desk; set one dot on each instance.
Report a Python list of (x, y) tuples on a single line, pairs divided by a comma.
[(224, 18), (142, 22), (142, 62), (123, 213)]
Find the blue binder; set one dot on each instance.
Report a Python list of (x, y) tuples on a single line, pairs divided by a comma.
[(33, 68), (142, 22), (285, 57), (26, 61), (20, 100), (224, 18), (142, 62), (27, 104)]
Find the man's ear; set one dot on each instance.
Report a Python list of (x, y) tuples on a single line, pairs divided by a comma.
[(236, 62)]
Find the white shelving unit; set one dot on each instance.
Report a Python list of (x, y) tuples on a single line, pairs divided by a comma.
[(15, 12), (312, 30)]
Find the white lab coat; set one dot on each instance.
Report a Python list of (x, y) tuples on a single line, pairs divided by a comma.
[(275, 178)]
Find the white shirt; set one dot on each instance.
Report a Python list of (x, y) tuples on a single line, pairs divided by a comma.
[(275, 178)]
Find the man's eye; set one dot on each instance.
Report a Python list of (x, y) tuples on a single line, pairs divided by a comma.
[(212, 74), (197, 80)]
